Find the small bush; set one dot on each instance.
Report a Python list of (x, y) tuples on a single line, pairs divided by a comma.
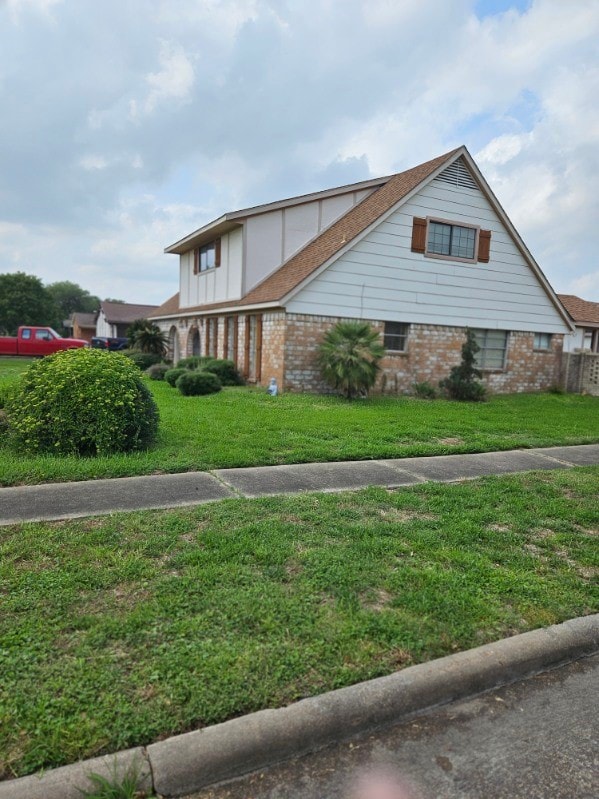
[(424, 390), (195, 361), (82, 402), (143, 360), (157, 371), (349, 357), (226, 371), (195, 384), (172, 375), (556, 389), (462, 383)]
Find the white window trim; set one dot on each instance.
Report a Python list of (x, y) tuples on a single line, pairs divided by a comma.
[(503, 367), (407, 337), (455, 223)]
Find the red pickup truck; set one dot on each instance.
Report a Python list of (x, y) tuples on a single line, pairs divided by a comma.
[(37, 341)]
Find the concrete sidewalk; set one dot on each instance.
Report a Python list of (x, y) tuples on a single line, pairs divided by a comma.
[(53, 501)]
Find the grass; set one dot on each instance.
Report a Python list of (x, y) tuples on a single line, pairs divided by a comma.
[(245, 427), (120, 630)]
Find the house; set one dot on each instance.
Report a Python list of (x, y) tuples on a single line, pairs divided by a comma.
[(114, 318), (81, 325), (585, 316), (421, 255)]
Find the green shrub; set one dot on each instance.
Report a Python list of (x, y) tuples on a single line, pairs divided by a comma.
[(226, 371), (85, 402), (143, 360), (172, 375), (157, 371), (194, 384), (462, 383), (4, 425), (349, 357), (555, 388), (424, 390), (195, 361)]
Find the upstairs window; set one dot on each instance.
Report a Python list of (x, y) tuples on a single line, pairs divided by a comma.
[(395, 337), (542, 341), (493, 348), (206, 257), (437, 238), (452, 240)]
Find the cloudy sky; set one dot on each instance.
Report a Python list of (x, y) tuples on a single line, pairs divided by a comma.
[(126, 124)]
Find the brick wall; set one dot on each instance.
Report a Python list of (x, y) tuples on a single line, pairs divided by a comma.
[(273, 348), (431, 352)]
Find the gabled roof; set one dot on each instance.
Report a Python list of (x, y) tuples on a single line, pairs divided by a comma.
[(295, 270), (168, 308), (304, 265), (121, 312), (582, 311)]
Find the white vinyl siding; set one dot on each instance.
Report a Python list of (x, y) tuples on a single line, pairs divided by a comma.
[(380, 278), (213, 284), (493, 348)]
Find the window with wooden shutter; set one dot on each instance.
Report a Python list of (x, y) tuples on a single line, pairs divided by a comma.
[(418, 234), (484, 246)]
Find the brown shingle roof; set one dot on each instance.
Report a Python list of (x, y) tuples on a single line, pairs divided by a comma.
[(84, 319), (171, 306), (121, 312), (580, 310), (317, 252)]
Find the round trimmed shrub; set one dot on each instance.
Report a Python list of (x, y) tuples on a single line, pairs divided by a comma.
[(82, 402), (143, 360), (157, 371), (195, 361), (226, 371), (195, 384), (172, 375)]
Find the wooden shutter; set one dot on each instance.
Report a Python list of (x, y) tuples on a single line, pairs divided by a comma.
[(235, 321), (484, 245), (418, 234), (217, 252), (207, 336), (226, 338), (196, 261)]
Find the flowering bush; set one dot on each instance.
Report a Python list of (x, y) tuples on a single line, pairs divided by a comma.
[(85, 402)]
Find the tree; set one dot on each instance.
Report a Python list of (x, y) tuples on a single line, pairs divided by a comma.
[(150, 339), (463, 381), (349, 357), (24, 301), (134, 328), (69, 297)]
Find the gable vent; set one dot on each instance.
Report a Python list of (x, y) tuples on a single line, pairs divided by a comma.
[(458, 174)]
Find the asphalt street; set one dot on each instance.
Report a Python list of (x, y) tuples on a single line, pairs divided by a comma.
[(535, 739)]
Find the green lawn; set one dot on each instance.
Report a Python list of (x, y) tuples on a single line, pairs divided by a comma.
[(245, 427), (116, 631)]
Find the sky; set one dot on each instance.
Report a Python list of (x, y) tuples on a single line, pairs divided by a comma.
[(127, 124)]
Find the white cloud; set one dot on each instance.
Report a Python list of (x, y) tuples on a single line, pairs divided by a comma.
[(173, 81)]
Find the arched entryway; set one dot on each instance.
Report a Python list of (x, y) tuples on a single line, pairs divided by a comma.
[(173, 345), (193, 341)]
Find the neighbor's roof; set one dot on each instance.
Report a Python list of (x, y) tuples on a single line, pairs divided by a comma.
[(301, 265), (84, 319), (580, 310), (120, 312)]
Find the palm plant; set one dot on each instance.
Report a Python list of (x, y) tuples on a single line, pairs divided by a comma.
[(150, 339), (349, 357)]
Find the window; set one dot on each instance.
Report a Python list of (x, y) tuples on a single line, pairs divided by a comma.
[(493, 346), (26, 334), (212, 336), (437, 238), (231, 338), (396, 336), (206, 257), (451, 240), (43, 335), (542, 341)]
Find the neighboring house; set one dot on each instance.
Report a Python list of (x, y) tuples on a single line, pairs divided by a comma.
[(114, 318), (421, 255), (82, 325), (585, 315)]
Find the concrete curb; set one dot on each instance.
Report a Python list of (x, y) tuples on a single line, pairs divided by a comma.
[(195, 760)]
